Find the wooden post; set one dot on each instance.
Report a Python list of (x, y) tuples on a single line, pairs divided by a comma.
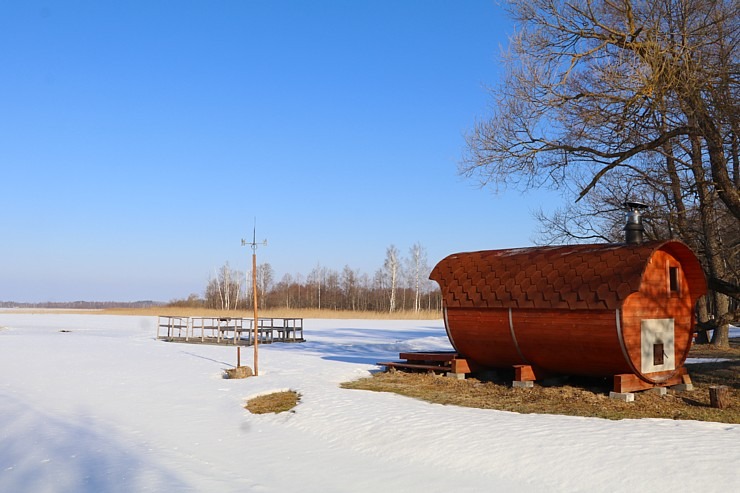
[(719, 396), (256, 322), (238, 356), (254, 245)]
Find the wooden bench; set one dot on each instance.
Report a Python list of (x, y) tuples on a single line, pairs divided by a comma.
[(444, 356), (440, 361), (413, 366)]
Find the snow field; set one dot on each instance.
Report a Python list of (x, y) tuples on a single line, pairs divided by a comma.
[(108, 408)]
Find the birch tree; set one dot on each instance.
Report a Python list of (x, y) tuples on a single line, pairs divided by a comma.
[(224, 290), (265, 276), (392, 267), (317, 278), (417, 270), (349, 283)]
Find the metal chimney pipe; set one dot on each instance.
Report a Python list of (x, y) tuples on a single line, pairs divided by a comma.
[(634, 229)]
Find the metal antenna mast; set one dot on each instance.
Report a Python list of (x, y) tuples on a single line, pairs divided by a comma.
[(255, 325)]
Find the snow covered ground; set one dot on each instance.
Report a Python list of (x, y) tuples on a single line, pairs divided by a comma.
[(106, 407)]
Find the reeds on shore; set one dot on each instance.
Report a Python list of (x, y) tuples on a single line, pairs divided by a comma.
[(178, 311)]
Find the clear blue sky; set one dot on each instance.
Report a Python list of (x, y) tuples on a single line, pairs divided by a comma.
[(140, 139)]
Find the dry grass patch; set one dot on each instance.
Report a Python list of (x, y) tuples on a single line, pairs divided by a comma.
[(238, 372), (277, 402), (174, 311), (709, 351), (574, 396)]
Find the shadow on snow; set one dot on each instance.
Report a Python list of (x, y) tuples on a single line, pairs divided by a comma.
[(370, 345), (44, 453)]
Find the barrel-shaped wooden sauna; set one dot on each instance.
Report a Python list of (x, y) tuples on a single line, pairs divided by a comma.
[(622, 310)]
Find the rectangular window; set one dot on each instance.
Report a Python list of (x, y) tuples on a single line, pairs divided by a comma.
[(673, 286), (658, 354)]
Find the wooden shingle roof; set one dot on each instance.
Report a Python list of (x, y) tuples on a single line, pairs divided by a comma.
[(574, 277)]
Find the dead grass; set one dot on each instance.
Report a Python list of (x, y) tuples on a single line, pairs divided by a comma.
[(277, 402), (573, 396), (238, 372), (709, 351)]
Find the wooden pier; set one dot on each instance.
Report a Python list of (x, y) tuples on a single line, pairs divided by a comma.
[(229, 330)]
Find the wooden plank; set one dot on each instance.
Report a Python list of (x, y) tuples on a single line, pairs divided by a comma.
[(424, 356), (413, 366)]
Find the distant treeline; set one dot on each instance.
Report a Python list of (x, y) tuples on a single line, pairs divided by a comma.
[(81, 305), (401, 284)]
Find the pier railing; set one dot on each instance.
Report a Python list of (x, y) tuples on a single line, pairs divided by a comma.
[(229, 330)]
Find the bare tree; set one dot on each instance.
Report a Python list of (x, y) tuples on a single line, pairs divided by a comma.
[(593, 83), (378, 291), (224, 290), (285, 285), (298, 286), (392, 267), (621, 99), (327, 288), (418, 270), (349, 287), (264, 281), (317, 278)]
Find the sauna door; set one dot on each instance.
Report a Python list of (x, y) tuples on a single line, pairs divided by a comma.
[(657, 345)]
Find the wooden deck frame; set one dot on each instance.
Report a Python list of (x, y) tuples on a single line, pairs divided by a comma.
[(229, 330)]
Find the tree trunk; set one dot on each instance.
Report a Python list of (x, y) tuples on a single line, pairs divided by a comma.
[(716, 264), (726, 190), (735, 159), (721, 335), (719, 396), (702, 337), (676, 192)]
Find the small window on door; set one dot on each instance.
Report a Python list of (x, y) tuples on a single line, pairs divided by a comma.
[(658, 354), (674, 288)]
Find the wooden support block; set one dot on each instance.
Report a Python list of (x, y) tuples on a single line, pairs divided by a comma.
[(719, 396), (460, 366), (524, 373), (629, 382)]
